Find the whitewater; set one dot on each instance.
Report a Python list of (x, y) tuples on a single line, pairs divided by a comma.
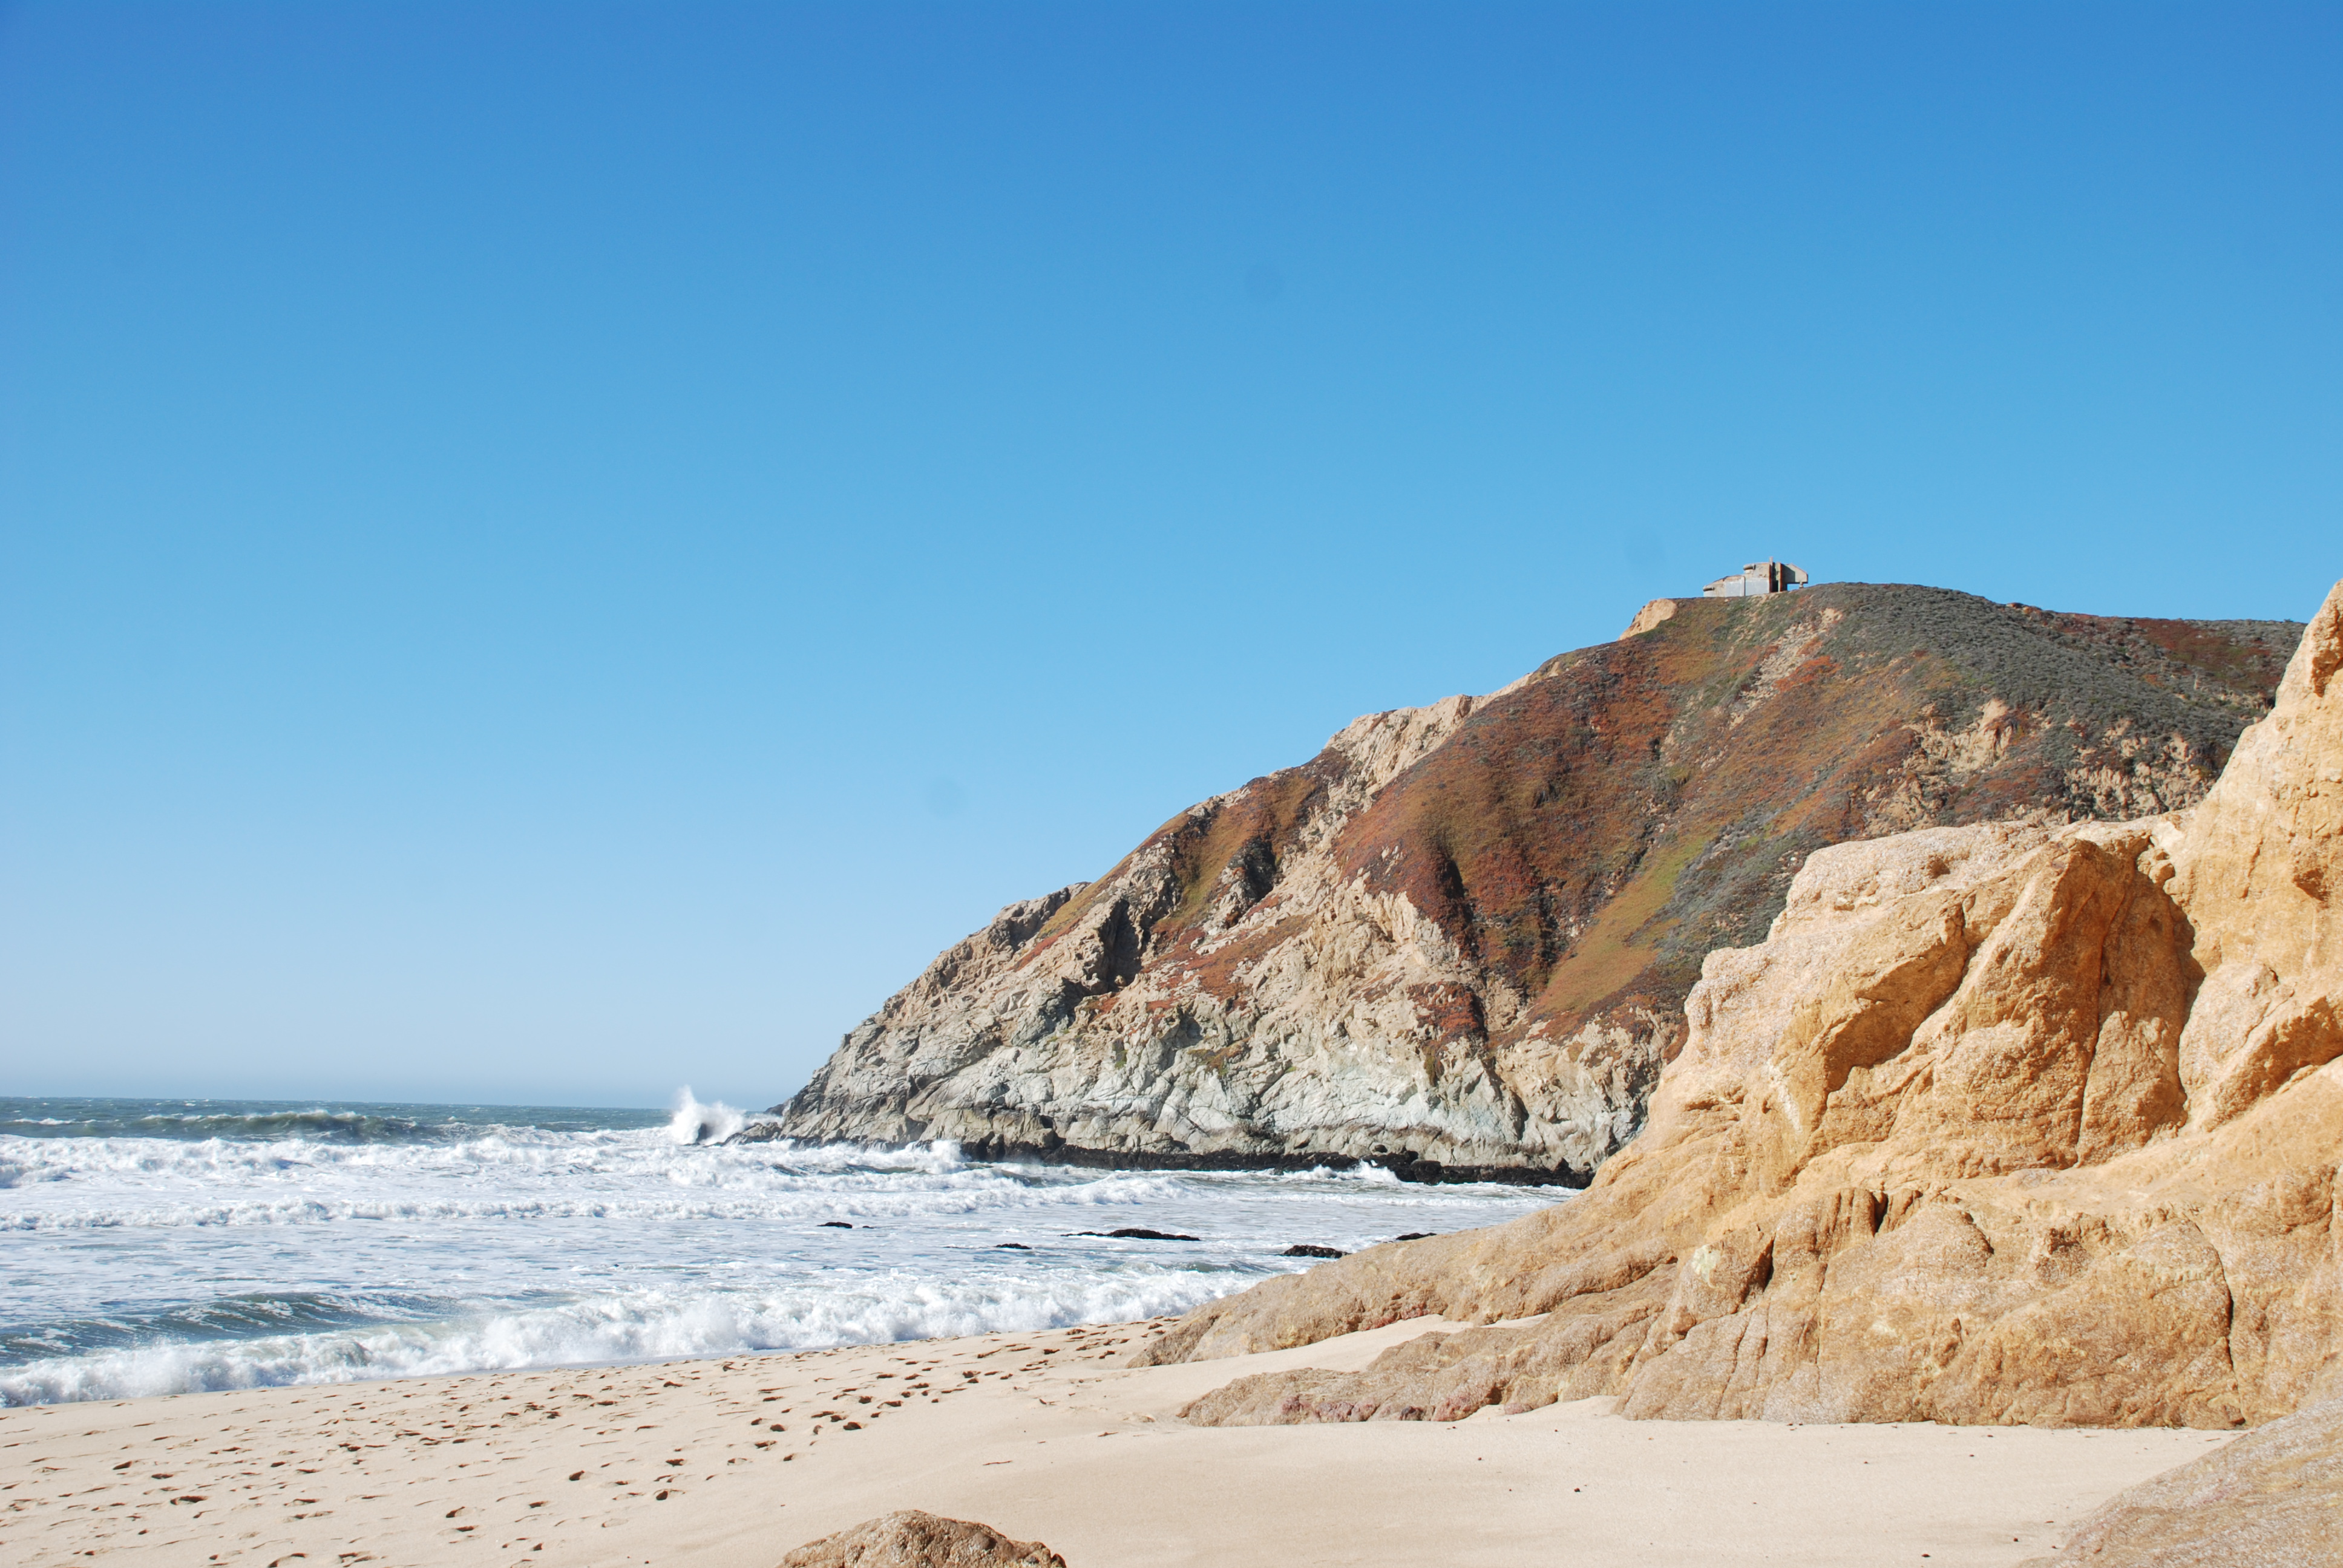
[(153, 1247)]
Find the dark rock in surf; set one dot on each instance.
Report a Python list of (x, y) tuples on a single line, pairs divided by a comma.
[(1307, 1251), (1138, 1233)]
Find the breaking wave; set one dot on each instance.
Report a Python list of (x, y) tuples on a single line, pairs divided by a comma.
[(646, 1325), (695, 1123), (168, 1247)]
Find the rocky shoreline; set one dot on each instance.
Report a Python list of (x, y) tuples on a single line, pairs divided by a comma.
[(1427, 1172)]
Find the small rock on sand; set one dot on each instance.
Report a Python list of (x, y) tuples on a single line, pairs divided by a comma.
[(911, 1539)]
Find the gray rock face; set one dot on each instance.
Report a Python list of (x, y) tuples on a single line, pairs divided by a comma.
[(1458, 940), (1274, 1013)]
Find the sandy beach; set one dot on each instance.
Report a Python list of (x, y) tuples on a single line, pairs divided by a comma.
[(1045, 1436)]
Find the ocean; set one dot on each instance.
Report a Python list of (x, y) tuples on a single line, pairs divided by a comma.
[(168, 1246)]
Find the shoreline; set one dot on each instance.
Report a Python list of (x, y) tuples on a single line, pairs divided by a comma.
[(1045, 1436), (1007, 1151)]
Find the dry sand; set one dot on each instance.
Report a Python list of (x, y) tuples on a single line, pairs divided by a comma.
[(1043, 1436)]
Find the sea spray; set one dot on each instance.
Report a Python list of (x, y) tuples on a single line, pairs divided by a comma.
[(695, 1123)]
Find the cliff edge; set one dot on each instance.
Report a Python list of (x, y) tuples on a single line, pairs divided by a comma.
[(1458, 942), (2001, 1124)]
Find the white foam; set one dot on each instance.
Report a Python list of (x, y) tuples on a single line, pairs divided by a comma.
[(640, 1177), (648, 1326), (695, 1123), (154, 1265)]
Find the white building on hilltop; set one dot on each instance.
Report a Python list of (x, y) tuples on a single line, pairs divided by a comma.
[(1755, 579)]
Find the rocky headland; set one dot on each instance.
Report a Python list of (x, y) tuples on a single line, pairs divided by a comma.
[(1460, 940), (2013, 1122)]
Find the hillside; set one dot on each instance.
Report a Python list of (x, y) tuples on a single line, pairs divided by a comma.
[(2001, 1124), (1458, 940)]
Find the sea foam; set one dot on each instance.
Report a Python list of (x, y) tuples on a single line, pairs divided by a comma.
[(159, 1248)]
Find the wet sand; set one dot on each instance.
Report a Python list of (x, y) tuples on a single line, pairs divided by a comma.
[(1043, 1436)]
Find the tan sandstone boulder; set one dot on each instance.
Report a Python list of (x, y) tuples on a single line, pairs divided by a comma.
[(911, 1539), (2001, 1124), (2273, 1499)]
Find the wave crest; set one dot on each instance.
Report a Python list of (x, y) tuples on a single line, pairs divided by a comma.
[(644, 1325), (695, 1123)]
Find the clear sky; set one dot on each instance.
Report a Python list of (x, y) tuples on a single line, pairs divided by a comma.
[(553, 551)]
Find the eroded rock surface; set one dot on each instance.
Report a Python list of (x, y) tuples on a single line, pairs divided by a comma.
[(2272, 1498), (911, 1539), (1460, 940), (2002, 1124)]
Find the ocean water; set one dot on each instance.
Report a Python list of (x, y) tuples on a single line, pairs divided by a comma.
[(153, 1247)]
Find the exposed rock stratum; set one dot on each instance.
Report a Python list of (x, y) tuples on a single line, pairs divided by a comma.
[(2008, 1122), (1459, 940)]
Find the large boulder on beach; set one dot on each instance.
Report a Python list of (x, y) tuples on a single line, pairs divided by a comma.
[(2002, 1124), (2273, 1497), (911, 1539)]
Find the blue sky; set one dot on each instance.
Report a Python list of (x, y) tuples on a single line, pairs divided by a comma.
[(552, 551)]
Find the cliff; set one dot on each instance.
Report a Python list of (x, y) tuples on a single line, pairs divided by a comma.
[(1460, 939), (2001, 1124)]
